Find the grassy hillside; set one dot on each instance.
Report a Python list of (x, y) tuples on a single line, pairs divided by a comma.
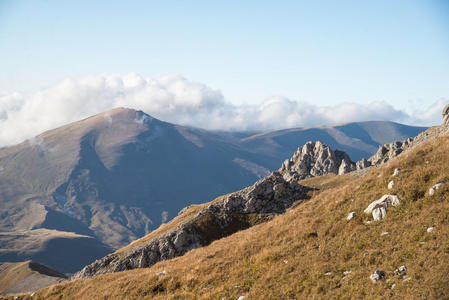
[(313, 251)]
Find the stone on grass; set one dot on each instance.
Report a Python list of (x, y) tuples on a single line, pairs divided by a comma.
[(396, 172), (429, 229), (436, 187), (378, 276), (351, 215), (401, 271), (379, 207), (391, 185)]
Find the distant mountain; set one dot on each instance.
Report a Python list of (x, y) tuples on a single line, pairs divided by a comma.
[(118, 175), (27, 277)]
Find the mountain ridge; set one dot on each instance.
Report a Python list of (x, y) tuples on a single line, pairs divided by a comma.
[(116, 176), (316, 249)]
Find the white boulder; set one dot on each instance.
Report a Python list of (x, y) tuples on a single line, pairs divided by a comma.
[(351, 215), (379, 207), (391, 185), (436, 187), (378, 275), (396, 172)]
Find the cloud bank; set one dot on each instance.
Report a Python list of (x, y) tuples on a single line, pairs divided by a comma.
[(177, 100)]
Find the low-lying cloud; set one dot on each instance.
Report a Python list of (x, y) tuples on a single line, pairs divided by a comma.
[(177, 100)]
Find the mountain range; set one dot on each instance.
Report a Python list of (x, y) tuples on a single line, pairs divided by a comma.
[(319, 227), (78, 192)]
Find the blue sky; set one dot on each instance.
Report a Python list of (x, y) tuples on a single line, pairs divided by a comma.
[(319, 54)]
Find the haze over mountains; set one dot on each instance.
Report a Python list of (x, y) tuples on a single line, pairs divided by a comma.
[(100, 183)]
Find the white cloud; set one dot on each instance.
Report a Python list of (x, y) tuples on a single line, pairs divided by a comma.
[(175, 99)]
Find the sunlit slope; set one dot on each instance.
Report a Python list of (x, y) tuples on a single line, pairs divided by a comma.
[(313, 251)]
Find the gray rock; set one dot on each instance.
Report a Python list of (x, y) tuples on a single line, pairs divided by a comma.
[(316, 159), (379, 207), (436, 187), (396, 172), (445, 115), (401, 271), (351, 215), (362, 164), (378, 276), (390, 185), (379, 213)]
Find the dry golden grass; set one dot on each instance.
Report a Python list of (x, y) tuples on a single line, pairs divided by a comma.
[(304, 253)]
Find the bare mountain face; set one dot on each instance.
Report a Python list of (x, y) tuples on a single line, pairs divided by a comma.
[(100, 183)]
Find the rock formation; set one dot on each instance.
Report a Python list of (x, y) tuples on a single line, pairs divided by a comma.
[(316, 159), (445, 115)]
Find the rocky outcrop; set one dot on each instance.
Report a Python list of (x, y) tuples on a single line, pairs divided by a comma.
[(226, 215), (316, 159), (387, 152), (445, 115)]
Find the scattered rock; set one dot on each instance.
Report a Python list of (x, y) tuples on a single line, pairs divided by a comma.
[(384, 233), (394, 284), (390, 185), (407, 279), (162, 273), (241, 298), (396, 172), (401, 271), (429, 229), (347, 272), (328, 273), (365, 254), (379, 207), (378, 276), (436, 187), (351, 215)]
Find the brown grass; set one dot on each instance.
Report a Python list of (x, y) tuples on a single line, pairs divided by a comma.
[(304, 253)]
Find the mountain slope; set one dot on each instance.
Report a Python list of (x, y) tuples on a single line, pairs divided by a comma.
[(26, 277), (314, 250), (118, 175)]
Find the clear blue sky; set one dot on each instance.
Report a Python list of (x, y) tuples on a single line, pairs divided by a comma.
[(322, 52)]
